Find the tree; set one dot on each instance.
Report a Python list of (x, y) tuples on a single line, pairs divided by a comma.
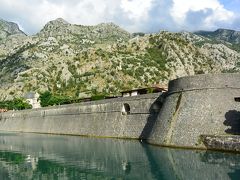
[(45, 98), (48, 99), (20, 104), (17, 104)]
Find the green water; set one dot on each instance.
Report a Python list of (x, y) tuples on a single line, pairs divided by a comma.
[(33, 156)]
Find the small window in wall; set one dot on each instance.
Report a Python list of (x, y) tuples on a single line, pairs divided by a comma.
[(237, 99), (125, 109)]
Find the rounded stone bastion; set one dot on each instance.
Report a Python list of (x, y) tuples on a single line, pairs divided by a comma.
[(198, 105)]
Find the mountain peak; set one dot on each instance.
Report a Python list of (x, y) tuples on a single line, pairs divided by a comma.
[(60, 20), (57, 22), (112, 28), (108, 24), (54, 25), (9, 28)]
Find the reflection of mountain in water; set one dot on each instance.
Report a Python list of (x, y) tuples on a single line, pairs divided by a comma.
[(31, 156)]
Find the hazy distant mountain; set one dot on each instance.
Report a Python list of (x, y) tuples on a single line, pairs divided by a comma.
[(228, 35), (80, 61), (8, 29)]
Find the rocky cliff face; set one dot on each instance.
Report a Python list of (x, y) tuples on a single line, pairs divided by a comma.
[(80, 61), (11, 37), (8, 29)]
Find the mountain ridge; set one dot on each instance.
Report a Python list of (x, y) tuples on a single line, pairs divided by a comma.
[(81, 61), (227, 35)]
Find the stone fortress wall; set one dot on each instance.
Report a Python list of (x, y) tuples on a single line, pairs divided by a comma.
[(119, 117), (192, 107), (198, 105)]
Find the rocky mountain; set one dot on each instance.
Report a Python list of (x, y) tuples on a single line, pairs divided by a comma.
[(8, 29), (229, 38), (226, 35), (80, 61), (11, 37)]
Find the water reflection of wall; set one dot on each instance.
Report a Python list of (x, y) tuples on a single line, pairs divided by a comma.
[(14, 165), (189, 164), (110, 158), (73, 157)]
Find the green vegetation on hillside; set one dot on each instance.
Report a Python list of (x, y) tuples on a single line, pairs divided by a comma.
[(15, 104)]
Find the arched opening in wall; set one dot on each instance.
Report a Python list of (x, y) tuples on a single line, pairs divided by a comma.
[(237, 99), (125, 109)]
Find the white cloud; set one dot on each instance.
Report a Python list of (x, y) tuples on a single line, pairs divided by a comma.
[(86, 12), (136, 9), (181, 8), (132, 15)]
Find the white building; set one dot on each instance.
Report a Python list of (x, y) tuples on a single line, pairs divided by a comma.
[(145, 90), (32, 98)]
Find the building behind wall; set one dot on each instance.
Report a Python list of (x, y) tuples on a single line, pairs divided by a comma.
[(145, 90), (32, 98)]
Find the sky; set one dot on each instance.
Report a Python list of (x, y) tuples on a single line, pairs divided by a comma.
[(133, 15)]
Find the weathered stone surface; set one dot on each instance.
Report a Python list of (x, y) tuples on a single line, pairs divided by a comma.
[(98, 118), (226, 143), (196, 105)]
